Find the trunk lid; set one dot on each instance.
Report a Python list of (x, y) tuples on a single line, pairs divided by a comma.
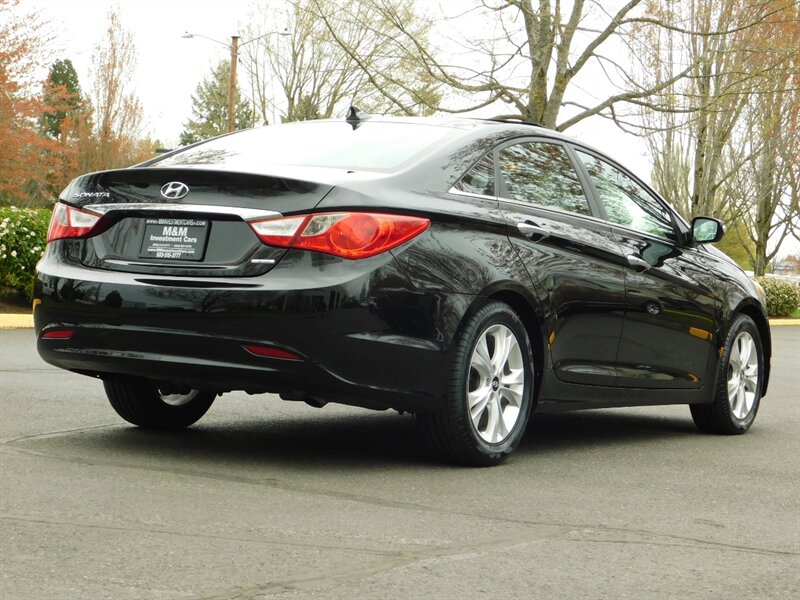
[(186, 222)]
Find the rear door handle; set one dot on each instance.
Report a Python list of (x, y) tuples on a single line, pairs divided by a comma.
[(638, 261), (530, 230)]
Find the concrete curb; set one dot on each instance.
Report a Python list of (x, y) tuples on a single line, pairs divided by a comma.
[(15, 321), (23, 321)]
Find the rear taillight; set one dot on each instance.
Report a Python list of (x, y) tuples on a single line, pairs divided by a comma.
[(349, 235), (70, 222)]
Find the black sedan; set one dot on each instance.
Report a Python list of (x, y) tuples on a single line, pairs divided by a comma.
[(467, 271)]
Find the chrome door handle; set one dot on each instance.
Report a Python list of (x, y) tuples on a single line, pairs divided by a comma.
[(529, 229), (637, 261)]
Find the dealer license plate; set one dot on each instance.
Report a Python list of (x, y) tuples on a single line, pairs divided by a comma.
[(174, 239)]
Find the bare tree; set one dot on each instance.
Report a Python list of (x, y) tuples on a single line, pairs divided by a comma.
[(717, 136), (528, 60), (117, 111), (767, 183), (326, 60), (690, 123)]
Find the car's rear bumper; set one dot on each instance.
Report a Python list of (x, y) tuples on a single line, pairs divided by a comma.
[(364, 337)]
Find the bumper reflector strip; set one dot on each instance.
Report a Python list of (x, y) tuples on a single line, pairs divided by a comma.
[(58, 334), (270, 352)]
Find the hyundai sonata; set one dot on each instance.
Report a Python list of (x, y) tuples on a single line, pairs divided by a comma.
[(468, 271)]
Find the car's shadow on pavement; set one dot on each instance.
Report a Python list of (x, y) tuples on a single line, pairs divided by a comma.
[(364, 440)]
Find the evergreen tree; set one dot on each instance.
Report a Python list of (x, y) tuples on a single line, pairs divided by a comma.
[(63, 92), (210, 108)]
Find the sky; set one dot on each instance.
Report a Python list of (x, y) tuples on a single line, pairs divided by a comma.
[(169, 67)]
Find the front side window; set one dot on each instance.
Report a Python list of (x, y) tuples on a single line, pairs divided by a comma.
[(626, 202), (541, 173), (479, 179)]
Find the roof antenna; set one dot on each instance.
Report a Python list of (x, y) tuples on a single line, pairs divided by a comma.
[(356, 117)]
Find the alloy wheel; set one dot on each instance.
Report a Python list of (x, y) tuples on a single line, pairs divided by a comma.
[(495, 384), (178, 399), (742, 375)]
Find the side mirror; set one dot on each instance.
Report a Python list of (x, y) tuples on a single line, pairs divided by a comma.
[(706, 230)]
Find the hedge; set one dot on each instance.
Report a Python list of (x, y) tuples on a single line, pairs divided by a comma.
[(23, 236), (783, 296)]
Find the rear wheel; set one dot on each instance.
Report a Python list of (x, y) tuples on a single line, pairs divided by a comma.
[(142, 403), (489, 392), (739, 383)]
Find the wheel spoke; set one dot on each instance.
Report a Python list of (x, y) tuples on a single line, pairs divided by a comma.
[(500, 431), (746, 347), (481, 361), (513, 377), (492, 417), (478, 401), (503, 338), (510, 416), (512, 395), (741, 403), (735, 360), (733, 386), (748, 399)]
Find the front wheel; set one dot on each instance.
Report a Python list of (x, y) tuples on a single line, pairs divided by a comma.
[(141, 403), (489, 391), (739, 383)]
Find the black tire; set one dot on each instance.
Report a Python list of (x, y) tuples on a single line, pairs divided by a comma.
[(453, 432), (725, 416), (139, 402)]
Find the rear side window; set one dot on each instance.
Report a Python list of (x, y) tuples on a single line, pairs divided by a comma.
[(541, 173), (479, 179), (626, 202)]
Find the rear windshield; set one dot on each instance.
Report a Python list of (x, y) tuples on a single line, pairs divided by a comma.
[(374, 146)]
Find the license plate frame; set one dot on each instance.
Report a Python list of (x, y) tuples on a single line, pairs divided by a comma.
[(182, 240)]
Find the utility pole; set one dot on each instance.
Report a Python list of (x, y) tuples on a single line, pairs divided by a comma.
[(234, 48), (232, 83)]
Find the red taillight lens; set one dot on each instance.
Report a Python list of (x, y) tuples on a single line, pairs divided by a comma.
[(349, 235), (70, 222)]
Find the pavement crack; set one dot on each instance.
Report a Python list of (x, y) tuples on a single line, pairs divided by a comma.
[(52, 434), (204, 536)]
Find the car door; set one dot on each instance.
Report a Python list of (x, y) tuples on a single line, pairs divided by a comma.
[(569, 255), (670, 305)]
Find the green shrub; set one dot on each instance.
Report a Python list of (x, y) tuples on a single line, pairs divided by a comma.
[(783, 296), (23, 235)]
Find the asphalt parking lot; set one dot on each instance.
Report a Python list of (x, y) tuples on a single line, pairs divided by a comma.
[(270, 499)]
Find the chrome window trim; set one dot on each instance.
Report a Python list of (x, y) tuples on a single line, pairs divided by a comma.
[(246, 214), (555, 209), (457, 192)]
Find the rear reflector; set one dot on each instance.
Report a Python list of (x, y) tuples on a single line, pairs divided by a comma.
[(58, 334), (349, 235), (70, 222), (270, 352)]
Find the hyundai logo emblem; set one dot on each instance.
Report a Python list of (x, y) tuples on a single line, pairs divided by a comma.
[(174, 190)]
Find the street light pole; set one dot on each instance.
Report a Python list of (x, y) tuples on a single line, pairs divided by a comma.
[(232, 83)]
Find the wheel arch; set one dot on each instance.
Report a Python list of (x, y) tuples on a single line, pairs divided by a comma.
[(527, 308), (756, 313)]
